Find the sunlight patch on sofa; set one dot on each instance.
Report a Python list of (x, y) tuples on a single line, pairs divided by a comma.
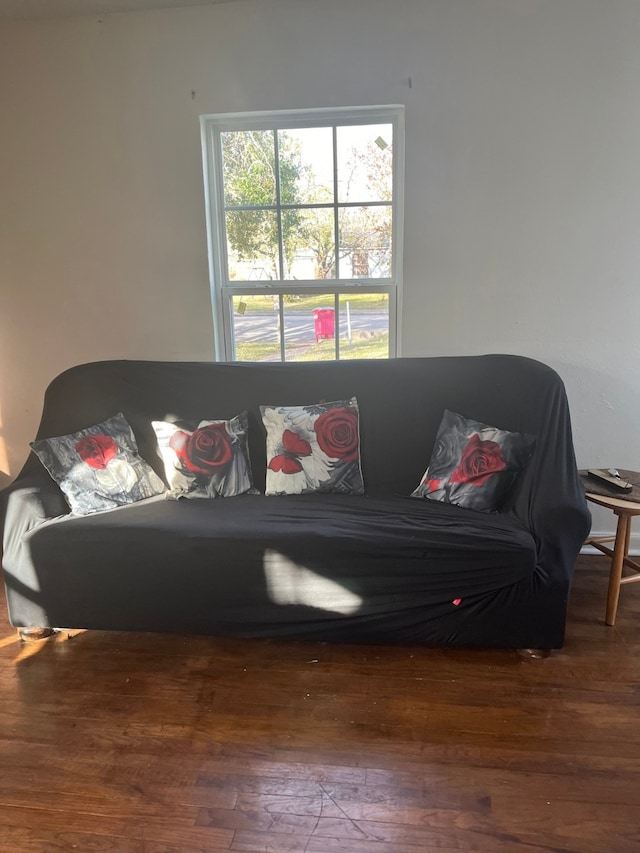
[(290, 583)]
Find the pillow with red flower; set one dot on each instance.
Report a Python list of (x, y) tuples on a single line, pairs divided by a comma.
[(313, 448), (205, 458), (99, 467), (472, 464)]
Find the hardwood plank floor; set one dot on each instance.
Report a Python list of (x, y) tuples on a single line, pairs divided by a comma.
[(134, 743)]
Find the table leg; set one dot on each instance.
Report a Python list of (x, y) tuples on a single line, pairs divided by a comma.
[(617, 562)]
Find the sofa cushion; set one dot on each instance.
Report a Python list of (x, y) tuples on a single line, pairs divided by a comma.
[(205, 458), (330, 566), (313, 448), (472, 464), (99, 467)]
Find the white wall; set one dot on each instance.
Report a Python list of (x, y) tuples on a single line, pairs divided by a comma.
[(522, 203)]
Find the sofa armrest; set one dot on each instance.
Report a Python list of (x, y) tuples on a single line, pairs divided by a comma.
[(29, 501), (26, 503), (559, 530)]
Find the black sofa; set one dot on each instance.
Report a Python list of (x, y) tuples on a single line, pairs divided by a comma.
[(381, 567)]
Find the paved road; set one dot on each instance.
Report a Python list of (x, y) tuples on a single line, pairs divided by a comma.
[(300, 327)]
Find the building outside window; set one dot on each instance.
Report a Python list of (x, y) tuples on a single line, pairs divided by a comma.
[(304, 218)]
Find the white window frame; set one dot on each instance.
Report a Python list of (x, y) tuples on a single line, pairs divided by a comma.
[(223, 289)]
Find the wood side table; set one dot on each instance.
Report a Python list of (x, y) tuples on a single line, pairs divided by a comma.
[(625, 510)]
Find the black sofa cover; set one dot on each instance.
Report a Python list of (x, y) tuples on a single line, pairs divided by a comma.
[(383, 567)]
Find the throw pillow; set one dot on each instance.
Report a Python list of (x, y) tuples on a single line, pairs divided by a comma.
[(313, 448), (473, 464), (99, 467), (205, 458)]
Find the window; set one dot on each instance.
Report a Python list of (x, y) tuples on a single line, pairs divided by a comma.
[(304, 218)]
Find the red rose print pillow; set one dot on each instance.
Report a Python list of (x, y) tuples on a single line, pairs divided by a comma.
[(99, 467), (473, 464), (205, 458), (313, 448)]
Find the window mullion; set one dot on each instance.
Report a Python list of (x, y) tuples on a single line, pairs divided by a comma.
[(336, 224), (281, 326), (276, 151)]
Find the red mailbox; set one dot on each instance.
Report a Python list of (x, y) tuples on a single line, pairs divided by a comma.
[(325, 322)]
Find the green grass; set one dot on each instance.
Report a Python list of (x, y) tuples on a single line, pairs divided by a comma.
[(376, 347), (357, 301), (258, 351)]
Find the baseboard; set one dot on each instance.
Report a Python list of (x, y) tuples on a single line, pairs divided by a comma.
[(634, 543)]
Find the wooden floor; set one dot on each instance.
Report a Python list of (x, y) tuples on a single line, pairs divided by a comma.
[(155, 744)]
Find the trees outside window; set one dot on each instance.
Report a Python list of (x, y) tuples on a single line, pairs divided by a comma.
[(304, 213)]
